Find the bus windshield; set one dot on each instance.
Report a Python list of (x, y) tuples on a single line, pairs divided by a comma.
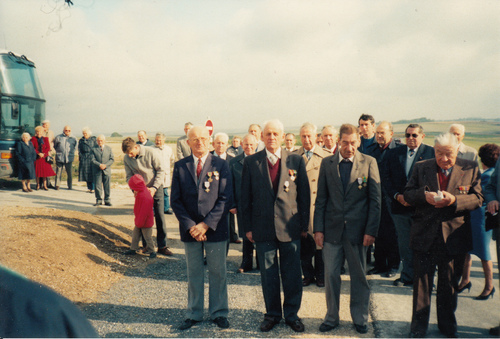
[(18, 77)]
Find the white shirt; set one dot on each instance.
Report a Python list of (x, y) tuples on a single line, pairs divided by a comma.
[(167, 158), (273, 157)]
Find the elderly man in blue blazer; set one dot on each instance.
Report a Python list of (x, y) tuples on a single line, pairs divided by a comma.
[(102, 159), (346, 220), (275, 203), (201, 196)]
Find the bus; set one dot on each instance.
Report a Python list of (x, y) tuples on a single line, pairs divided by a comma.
[(22, 106)]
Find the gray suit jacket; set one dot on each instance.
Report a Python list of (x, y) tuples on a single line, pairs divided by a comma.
[(183, 149), (105, 157), (267, 216), (467, 152), (356, 211)]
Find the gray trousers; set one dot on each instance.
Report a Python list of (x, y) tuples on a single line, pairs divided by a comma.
[(147, 233), (102, 181), (68, 167), (217, 288), (360, 290), (402, 222)]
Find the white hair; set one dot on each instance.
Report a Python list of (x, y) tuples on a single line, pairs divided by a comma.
[(45, 122), (222, 136), (310, 127), (161, 135), (86, 129), (274, 123), (101, 136), (25, 133), (334, 130), (250, 138), (446, 139), (460, 127)]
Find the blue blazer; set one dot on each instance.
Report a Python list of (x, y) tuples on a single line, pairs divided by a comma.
[(194, 201)]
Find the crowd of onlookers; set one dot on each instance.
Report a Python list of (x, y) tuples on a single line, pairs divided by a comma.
[(341, 196)]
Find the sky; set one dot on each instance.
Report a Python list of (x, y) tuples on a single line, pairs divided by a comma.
[(125, 65)]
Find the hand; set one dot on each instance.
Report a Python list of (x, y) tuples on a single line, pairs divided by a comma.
[(198, 231), (303, 234), (448, 199), (319, 238), (249, 237), (135, 193), (152, 190), (41, 155), (492, 206), (233, 210), (368, 240), (401, 199), (102, 166)]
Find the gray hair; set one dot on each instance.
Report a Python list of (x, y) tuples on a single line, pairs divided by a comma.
[(250, 138), (310, 127), (101, 136), (25, 133), (223, 136), (274, 123), (86, 129), (334, 130), (446, 139), (161, 135), (45, 122), (460, 127), (382, 123)]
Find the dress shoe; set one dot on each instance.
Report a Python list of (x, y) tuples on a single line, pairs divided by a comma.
[(466, 287), (188, 323), (361, 328), (152, 255), (169, 211), (108, 204), (45, 189), (325, 328), (30, 190), (391, 273), (130, 252), (486, 297), (307, 281), (296, 325), (98, 203), (25, 190), (268, 324), (165, 251), (56, 188), (237, 241), (221, 322), (400, 283), (375, 270), (495, 331), (320, 282)]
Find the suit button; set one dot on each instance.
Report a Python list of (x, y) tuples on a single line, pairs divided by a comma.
[(313, 180), (314, 192)]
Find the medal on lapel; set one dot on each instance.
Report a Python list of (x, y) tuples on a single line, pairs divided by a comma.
[(292, 174), (207, 186), (360, 182), (216, 175), (287, 184), (210, 177), (463, 189), (364, 181)]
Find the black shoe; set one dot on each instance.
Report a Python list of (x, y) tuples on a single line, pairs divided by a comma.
[(320, 282), (221, 322), (466, 287), (98, 203), (268, 324), (108, 204), (391, 273), (152, 255), (375, 270), (130, 252), (400, 283), (495, 331), (485, 297), (325, 328), (169, 211), (188, 323), (307, 281), (361, 328), (296, 325)]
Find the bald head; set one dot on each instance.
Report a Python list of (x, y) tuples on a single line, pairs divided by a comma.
[(198, 140)]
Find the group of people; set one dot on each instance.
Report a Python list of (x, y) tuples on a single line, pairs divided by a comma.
[(305, 211)]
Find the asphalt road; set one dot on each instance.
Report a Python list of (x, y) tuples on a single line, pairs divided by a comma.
[(390, 305)]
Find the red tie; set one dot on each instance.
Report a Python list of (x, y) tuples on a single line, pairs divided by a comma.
[(198, 168)]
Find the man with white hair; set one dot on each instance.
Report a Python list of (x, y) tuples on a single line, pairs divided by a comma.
[(329, 135), (143, 139), (275, 205), (183, 149), (102, 159), (443, 190), (464, 151), (256, 131), (65, 146)]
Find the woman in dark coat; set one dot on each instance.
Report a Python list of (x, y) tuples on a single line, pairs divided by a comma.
[(85, 145), (26, 156), (42, 168)]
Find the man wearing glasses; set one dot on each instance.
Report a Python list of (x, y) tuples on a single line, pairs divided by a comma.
[(65, 145), (395, 175)]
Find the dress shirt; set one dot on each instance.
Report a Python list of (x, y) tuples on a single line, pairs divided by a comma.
[(273, 157), (410, 158)]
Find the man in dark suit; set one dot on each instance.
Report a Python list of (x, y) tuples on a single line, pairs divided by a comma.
[(249, 144), (102, 160), (201, 196), (398, 168), (386, 245), (444, 191), (275, 206), (220, 143), (346, 219)]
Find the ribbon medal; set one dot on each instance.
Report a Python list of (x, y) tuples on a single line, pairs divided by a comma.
[(292, 174), (364, 181), (463, 189), (207, 186), (360, 182), (216, 175), (287, 184), (210, 177)]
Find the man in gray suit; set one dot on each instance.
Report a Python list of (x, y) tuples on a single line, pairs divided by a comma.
[(275, 204), (102, 159), (183, 149), (346, 218), (464, 151)]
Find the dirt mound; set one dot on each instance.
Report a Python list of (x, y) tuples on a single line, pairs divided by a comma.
[(75, 253)]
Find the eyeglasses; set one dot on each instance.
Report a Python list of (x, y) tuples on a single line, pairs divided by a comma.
[(411, 135)]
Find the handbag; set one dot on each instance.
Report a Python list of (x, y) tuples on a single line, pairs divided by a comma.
[(491, 221), (49, 159)]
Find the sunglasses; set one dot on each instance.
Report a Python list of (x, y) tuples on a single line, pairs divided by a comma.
[(411, 135)]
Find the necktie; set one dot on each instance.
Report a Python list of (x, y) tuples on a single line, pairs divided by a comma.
[(412, 152), (272, 159), (198, 168), (308, 155)]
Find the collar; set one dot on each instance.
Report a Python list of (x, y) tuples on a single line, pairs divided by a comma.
[(203, 158), (408, 150), (222, 156), (351, 159), (277, 154)]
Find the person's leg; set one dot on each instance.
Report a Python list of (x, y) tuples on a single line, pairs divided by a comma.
[(216, 263), (106, 184), (291, 278), (98, 186), (195, 276), (267, 254), (59, 169), (488, 277), (402, 223), (466, 272), (449, 271), (69, 173), (422, 289), (319, 267), (166, 200), (161, 227), (333, 259), (247, 256), (147, 233)]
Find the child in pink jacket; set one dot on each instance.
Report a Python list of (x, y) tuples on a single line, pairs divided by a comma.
[(144, 216)]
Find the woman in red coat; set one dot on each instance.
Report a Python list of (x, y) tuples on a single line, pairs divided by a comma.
[(42, 168)]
